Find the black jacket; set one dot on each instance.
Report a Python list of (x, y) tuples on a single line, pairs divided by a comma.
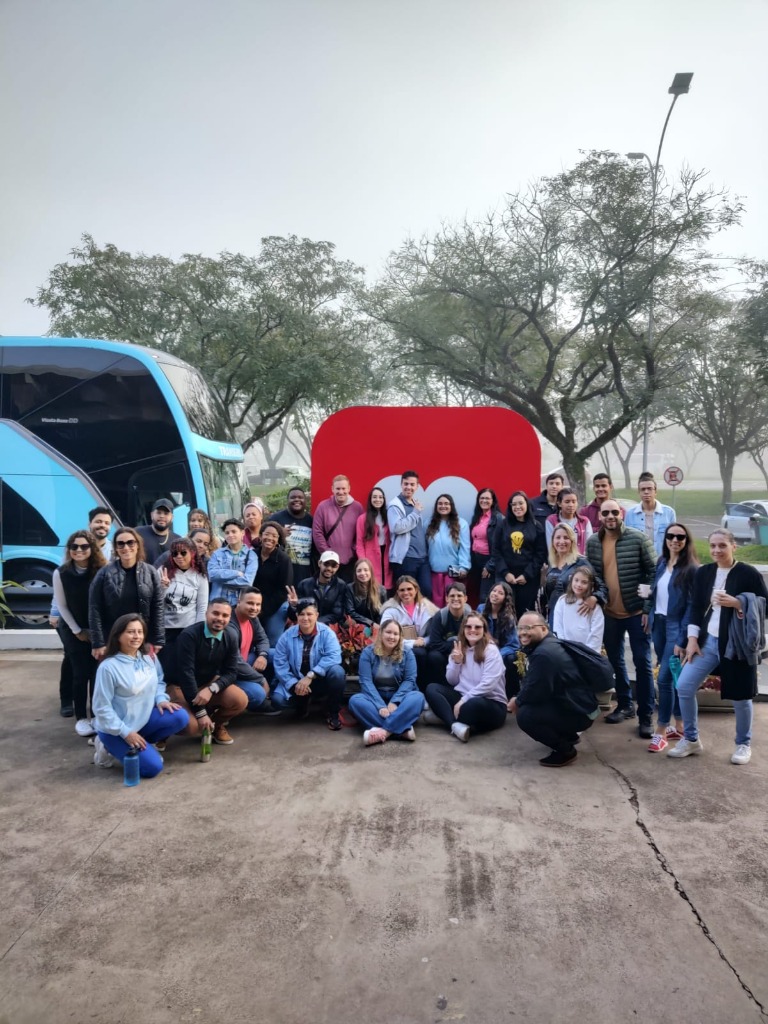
[(359, 610), (260, 643), (738, 679), (541, 507), (104, 602), (195, 661), (331, 604), (523, 557), (443, 631), (552, 677), (273, 576)]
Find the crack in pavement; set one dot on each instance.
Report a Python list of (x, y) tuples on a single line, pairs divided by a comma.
[(634, 801), (61, 888)]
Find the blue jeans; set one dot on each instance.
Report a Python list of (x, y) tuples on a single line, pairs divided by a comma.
[(254, 691), (274, 626), (419, 569), (330, 686), (159, 727), (409, 709), (692, 677), (665, 634), (640, 644)]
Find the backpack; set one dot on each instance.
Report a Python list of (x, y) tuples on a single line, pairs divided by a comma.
[(595, 670)]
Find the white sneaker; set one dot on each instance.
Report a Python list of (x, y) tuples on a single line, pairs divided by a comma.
[(461, 732), (742, 754), (685, 748), (410, 735), (429, 717), (102, 757), (84, 727)]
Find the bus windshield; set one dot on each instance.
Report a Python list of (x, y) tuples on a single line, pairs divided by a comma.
[(222, 488), (200, 405)]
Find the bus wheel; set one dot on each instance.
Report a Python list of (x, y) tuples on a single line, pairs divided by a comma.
[(32, 576)]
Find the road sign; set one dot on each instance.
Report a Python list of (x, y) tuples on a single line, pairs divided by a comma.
[(673, 476)]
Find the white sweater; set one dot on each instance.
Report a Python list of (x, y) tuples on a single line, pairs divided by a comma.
[(586, 629)]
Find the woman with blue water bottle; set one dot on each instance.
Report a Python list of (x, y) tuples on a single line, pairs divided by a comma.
[(131, 709)]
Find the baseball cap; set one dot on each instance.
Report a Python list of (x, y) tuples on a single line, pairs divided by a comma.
[(163, 503), (329, 556)]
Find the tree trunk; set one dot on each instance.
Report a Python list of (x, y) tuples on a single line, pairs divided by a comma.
[(573, 464), (726, 460), (760, 463)]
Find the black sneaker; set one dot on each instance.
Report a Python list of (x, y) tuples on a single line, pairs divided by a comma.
[(620, 715), (67, 710), (267, 708), (333, 723), (646, 729), (559, 758)]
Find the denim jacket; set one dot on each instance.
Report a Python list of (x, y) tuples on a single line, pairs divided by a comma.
[(679, 599), (325, 653), (404, 677)]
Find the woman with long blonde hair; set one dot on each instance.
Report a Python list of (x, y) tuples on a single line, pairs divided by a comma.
[(389, 702)]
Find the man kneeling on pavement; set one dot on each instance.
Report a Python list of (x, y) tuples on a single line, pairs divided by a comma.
[(308, 663), (202, 676), (555, 703)]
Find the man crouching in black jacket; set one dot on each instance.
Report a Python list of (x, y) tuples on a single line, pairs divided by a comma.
[(554, 704)]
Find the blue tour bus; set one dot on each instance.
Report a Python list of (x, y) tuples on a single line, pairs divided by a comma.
[(85, 422)]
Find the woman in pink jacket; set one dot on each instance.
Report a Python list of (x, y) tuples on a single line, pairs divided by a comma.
[(372, 537)]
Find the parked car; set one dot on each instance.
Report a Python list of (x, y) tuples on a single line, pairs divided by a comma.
[(738, 518)]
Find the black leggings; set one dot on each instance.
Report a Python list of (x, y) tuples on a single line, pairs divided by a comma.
[(83, 669), (481, 714)]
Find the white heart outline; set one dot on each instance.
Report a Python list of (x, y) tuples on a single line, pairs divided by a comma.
[(463, 492)]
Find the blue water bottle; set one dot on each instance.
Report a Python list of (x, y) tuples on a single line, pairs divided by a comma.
[(131, 767)]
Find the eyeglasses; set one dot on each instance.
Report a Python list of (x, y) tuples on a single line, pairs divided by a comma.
[(79, 547), (605, 512), (528, 629), (468, 628), (676, 536), (125, 543)]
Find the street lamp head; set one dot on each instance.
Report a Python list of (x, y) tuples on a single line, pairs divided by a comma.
[(636, 156), (681, 83)]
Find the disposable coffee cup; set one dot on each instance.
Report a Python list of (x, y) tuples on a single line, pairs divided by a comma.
[(644, 590), (717, 596)]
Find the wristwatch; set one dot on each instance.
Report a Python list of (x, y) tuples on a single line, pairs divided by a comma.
[(310, 675), (214, 687)]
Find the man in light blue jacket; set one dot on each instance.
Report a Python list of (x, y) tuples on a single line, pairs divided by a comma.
[(308, 663), (650, 516), (408, 548)]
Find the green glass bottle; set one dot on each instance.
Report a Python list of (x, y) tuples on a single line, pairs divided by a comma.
[(205, 746)]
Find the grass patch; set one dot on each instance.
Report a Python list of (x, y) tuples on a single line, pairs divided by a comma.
[(755, 554), (705, 504)]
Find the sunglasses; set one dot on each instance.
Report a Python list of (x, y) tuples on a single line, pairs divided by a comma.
[(125, 543), (79, 547), (468, 628), (676, 536), (181, 551), (605, 512)]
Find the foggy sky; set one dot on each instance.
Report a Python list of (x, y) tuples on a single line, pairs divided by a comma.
[(168, 126)]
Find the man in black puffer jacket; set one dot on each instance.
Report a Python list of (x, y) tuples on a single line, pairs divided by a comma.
[(554, 704), (623, 560)]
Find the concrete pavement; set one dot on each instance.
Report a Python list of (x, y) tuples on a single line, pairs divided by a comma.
[(300, 877)]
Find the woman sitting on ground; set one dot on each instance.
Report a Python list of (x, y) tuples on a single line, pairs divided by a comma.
[(389, 702), (365, 596), (131, 708), (499, 613), (473, 697)]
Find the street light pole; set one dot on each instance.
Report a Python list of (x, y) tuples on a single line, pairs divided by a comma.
[(681, 84)]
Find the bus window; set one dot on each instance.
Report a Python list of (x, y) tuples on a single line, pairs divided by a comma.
[(199, 403), (146, 485), (20, 523), (222, 488)]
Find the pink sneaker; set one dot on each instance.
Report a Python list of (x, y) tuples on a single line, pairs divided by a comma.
[(657, 743), (671, 733)]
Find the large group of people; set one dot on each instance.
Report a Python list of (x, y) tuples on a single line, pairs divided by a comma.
[(463, 623)]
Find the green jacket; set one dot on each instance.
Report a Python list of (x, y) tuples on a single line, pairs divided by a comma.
[(635, 561)]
